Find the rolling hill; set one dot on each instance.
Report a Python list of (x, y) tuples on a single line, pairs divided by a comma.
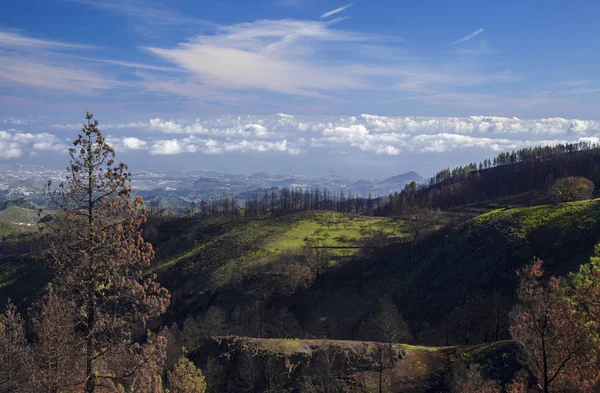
[(452, 287)]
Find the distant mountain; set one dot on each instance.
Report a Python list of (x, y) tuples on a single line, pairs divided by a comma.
[(260, 176), (403, 178), (363, 183)]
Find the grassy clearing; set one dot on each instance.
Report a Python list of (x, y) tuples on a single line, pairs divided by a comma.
[(521, 222), (245, 242), (9, 229), (15, 214), (290, 346), (334, 230)]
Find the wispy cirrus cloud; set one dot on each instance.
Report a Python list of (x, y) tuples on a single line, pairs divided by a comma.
[(128, 64), (257, 62), (336, 11), (469, 37), (151, 12), (53, 77), (592, 90), (40, 64), (14, 39), (577, 83), (262, 55)]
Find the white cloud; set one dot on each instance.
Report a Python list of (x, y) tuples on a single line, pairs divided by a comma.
[(257, 130), (8, 147), (193, 144), (166, 147), (129, 64), (470, 36), (15, 144), (134, 143), (259, 146), (169, 127), (233, 64), (336, 11), (577, 82)]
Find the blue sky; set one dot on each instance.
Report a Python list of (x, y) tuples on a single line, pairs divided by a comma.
[(438, 83)]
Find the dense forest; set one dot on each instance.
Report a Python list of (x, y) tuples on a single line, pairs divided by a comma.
[(442, 287)]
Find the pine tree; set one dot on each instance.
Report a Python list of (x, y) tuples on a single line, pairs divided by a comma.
[(186, 378), (553, 337), (98, 254), (15, 352)]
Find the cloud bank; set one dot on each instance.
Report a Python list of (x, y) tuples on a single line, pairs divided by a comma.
[(297, 135), (15, 144)]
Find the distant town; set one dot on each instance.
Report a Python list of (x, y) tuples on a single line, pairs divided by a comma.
[(30, 180)]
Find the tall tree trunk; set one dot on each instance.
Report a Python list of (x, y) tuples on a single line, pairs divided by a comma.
[(90, 370)]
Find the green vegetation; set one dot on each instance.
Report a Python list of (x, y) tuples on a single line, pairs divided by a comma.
[(17, 214), (250, 241), (433, 282), (335, 230), (220, 254), (8, 229)]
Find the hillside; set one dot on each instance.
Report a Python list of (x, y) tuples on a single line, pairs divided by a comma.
[(19, 215), (529, 171), (237, 262), (248, 276), (347, 366), (232, 263), (454, 273), (233, 259)]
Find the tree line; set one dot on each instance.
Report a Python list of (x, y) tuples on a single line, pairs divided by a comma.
[(276, 201), (510, 173)]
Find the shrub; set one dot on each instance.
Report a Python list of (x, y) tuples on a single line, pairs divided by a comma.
[(569, 189)]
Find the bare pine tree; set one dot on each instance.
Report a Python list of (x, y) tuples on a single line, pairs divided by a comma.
[(59, 354), (554, 338), (99, 255), (15, 353)]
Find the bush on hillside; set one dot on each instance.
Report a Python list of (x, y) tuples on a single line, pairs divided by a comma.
[(570, 189)]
